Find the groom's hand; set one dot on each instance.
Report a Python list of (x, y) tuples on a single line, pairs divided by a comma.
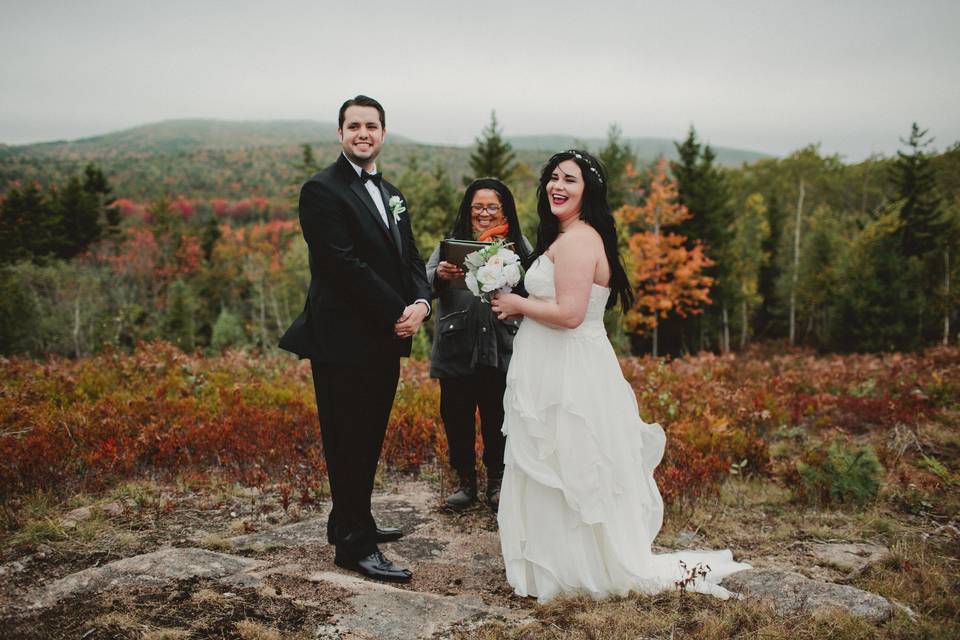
[(410, 321)]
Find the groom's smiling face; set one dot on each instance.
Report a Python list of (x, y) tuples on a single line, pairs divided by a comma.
[(361, 135)]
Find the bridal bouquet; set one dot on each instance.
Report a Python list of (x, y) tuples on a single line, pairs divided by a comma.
[(493, 268)]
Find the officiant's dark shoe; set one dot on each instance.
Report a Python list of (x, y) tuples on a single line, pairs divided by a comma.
[(466, 493), (374, 566), (493, 492), (385, 534)]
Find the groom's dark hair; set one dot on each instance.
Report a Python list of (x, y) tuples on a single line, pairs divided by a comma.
[(362, 101)]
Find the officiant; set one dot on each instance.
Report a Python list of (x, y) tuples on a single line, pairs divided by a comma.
[(471, 347)]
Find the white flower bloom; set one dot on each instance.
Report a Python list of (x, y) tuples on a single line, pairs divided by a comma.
[(472, 284), (396, 207), (490, 277), (511, 274)]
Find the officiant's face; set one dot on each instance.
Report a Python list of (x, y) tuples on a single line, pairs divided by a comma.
[(361, 134), (565, 190), (486, 211)]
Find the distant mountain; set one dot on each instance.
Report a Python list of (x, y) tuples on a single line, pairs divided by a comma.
[(189, 135), (646, 149), (183, 136), (232, 159)]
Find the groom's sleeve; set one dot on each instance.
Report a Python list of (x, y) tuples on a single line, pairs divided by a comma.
[(322, 219), (418, 272)]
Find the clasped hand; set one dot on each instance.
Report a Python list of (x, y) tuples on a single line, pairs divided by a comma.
[(409, 322)]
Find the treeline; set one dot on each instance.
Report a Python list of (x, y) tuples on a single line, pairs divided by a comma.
[(804, 249)]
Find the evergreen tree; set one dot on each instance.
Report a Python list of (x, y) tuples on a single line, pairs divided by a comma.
[(96, 184), (179, 322), (493, 157), (227, 331), (880, 299), (308, 163), (915, 182), (703, 189), (617, 159), (80, 214), (30, 226), (208, 240)]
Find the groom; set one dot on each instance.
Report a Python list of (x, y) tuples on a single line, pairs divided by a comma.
[(368, 295)]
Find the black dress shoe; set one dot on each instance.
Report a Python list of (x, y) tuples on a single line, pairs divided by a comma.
[(375, 566), (388, 534), (385, 534)]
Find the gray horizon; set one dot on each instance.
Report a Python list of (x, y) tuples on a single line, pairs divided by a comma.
[(769, 77)]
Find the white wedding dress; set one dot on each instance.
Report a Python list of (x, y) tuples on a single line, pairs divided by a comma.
[(579, 508)]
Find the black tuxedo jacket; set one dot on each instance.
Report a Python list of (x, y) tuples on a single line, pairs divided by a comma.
[(362, 273)]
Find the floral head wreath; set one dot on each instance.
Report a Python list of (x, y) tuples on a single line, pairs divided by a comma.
[(579, 156)]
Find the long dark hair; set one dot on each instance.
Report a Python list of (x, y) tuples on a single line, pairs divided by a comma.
[(463, 227), (595, 211)]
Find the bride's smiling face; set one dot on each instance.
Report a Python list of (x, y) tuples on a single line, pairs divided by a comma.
[(565, 190)]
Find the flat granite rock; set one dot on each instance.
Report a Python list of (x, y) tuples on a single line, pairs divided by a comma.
[(154, 568), (386, 612), (788, 592), (848, 556)]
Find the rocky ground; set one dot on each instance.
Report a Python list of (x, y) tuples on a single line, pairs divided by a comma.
[(223, 561)]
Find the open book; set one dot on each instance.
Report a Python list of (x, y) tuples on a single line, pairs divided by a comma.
[(455, 251)]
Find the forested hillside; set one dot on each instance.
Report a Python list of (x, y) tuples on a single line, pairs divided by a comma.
[(187, 231)]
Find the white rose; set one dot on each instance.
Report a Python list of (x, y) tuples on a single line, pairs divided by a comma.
[(495, 261), (489, 277), (511, 274), (508, 256), (471, 280), (473, 260)]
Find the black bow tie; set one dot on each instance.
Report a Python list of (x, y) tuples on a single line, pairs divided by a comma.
[(376, 177)]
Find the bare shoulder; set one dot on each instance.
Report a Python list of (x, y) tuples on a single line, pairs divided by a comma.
[(581, 239)]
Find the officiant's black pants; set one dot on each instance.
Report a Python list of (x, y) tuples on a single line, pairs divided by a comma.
[(460, 398), (353, 404)]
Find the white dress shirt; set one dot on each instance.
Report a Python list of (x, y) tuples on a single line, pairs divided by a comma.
[(373, 190)]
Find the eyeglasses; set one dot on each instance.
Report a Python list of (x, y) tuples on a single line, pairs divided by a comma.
[(492, 209)]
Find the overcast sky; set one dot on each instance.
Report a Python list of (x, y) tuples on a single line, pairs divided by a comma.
[(765, 75)]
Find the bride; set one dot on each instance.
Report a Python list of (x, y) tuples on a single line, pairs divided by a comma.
[(579, 508)]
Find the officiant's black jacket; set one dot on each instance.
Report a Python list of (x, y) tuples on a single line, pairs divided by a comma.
[(362, 273)]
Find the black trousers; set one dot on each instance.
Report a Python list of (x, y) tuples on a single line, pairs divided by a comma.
[(459, 400), (353, 404)]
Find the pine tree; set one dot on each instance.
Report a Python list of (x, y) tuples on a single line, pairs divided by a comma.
[(80, 214), (704, 191), (493, 157), (179, 322), (96, 184), (915, 183), (308, 163), (208, 239), (617, 159)]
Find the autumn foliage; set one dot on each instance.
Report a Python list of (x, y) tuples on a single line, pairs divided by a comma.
[(667, 273), (68, 425)]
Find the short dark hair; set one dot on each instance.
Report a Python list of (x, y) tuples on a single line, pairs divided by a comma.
[(362, 101)]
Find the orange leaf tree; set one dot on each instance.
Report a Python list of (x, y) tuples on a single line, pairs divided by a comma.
[(667, 275)]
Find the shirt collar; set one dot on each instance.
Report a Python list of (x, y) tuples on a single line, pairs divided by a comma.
[(357, 167)]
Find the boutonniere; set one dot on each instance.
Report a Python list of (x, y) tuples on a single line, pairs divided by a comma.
[(396, 207)]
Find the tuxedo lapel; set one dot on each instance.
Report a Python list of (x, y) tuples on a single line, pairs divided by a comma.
[(364, 196), (392, 220)]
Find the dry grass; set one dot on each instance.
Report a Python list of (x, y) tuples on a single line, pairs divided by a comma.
[(166, 634), (251, 630), (673, 616)]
